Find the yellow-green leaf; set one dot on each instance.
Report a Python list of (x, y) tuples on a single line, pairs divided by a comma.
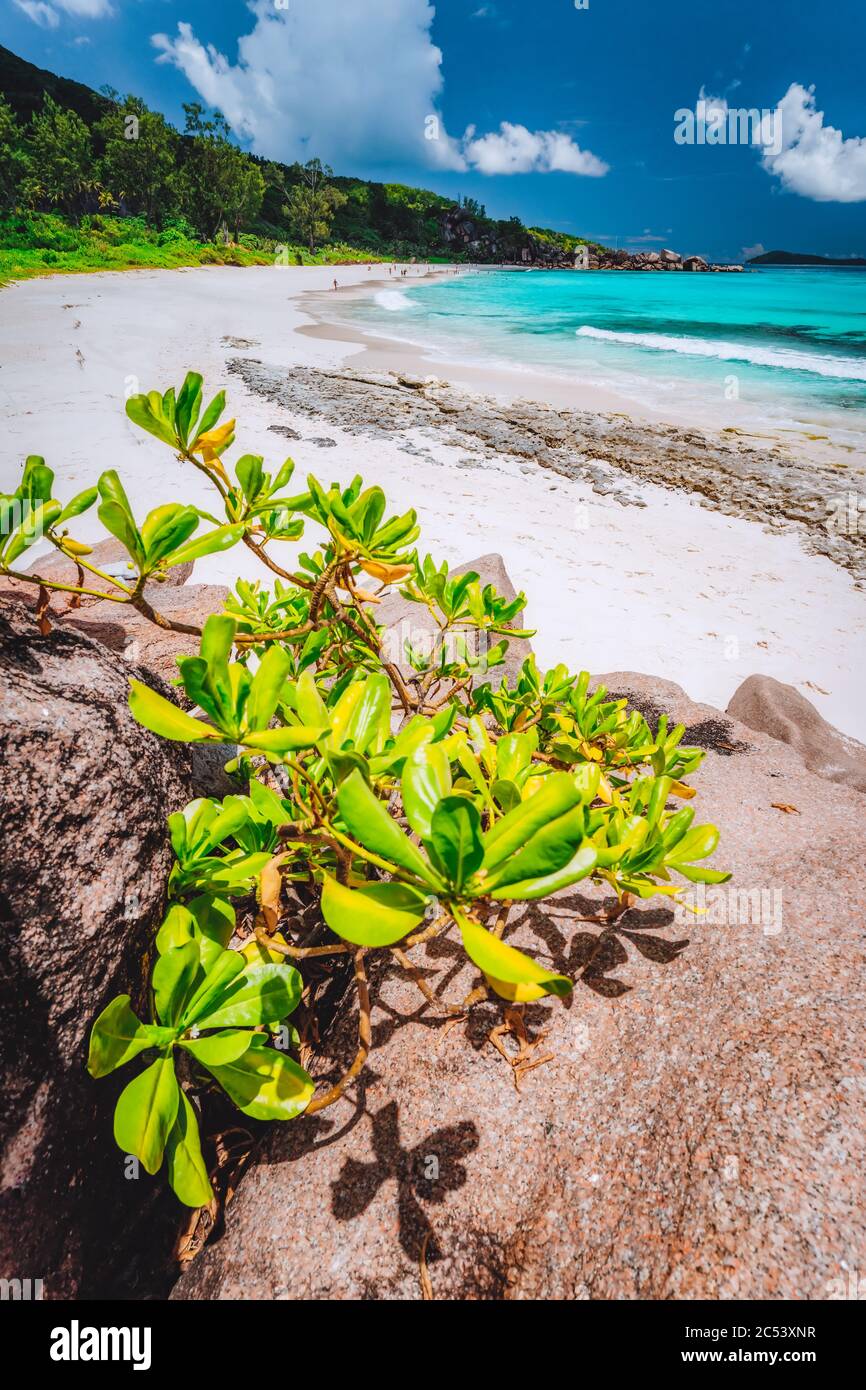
[(503, 963)]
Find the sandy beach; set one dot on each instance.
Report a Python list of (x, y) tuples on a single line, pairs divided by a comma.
[(625, 563)]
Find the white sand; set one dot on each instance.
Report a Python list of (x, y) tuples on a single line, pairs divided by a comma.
[(672, 589)]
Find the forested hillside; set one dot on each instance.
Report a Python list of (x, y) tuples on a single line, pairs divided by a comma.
[(89, 179)]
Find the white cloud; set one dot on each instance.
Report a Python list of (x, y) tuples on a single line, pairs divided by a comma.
[(515, 150), (356, 85), (46, 16), (347, 82), (41, 14), (86, 9), (749, 252), (815, 160)]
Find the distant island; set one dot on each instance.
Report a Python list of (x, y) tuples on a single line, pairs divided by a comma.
[(798, 258)]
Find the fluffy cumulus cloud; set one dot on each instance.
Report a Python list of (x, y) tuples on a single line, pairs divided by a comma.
[(356, 85), (343, 81), (515, 150), (814, 159), (46, 15)]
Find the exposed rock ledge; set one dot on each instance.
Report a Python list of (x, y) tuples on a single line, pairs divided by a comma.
[(776, 486)]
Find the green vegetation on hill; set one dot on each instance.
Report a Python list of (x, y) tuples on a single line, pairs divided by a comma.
[(90, 181)]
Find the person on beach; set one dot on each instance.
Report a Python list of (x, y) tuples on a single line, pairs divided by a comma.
[(335, 284)]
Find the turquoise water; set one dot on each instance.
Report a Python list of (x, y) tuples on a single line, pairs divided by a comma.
[(780, 345)]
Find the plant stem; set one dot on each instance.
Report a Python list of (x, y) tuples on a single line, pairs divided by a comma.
[(365, 1041)]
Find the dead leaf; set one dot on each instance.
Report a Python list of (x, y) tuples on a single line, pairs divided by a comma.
[(42, 611), (783, 806)]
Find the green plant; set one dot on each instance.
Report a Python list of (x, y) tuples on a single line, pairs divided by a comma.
[(139, 156), (313, 203), (384, 797), (214, 1006), (60, 158)]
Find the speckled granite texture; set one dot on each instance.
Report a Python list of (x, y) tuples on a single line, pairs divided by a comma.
[(698, 1133)]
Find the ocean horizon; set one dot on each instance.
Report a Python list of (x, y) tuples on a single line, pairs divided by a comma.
[(784, 345)]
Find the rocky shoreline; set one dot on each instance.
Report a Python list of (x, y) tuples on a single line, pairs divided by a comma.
[(603, 258), (465, 235), (723, 472)]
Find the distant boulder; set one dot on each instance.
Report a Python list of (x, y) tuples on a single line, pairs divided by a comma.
[(780, 710)]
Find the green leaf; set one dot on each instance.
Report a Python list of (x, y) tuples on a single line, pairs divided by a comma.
[(224, 970), (39, 519), (214, 917), (143, 412), (165, 529), (426, 780), (582, 864), (80, 503), (371, 714), (548, 850), (116, 516), (211, 414), (222, 538), (266, 1085), (695, 874), (697, 843), (217, 639), (345, 762), (377, 915), (178, 927), (285, 740), (262, 994), (513, 754), (205, 919), (187, 1172), (232, 817), (146, 1111), (217, 1049), (504, 964), (163, 718), (505, 794), (455, 836), (174, 979), (560, 793), (267, 685), (188, 405), (340, 715), (370, 824), (37, 480), (311, 707), (249, 474), (117, 1036)]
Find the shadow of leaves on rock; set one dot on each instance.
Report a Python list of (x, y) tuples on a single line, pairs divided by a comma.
[(591, 957), (425, 1173)]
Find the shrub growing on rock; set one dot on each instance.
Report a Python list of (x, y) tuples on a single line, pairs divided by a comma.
[(383, 798)]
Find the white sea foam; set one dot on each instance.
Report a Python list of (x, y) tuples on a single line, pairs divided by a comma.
[(788, 359), (395, 301)]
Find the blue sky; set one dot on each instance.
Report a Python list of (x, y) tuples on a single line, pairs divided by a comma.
[(561, 115)]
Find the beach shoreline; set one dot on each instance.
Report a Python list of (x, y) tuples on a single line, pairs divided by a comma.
[(625, 565)]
